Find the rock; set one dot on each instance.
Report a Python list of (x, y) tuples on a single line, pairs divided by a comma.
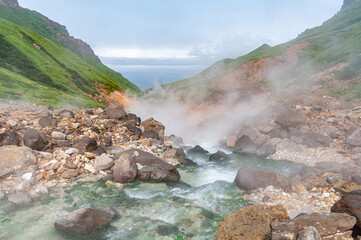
[(150, 134), (355, 138), (125, 169), (9, 138), (66, 114), (90, 168), (134, 130), (112, 150), (197, 150), (48, 121), (71, 151), (69, 173), (166, 230), (327, 225), (152, 125), (254, 178), (309, 233), (16, 158), (245, 145), (35, 140), (219, 156), (83, 221), (58, 135), (5, 172), (109, 212), (279, 133), (27, 176), (52, 165), (265, 150), (115, 112), (334, 178), (316, 140), (103, 162), (350, 204), (20, 198), (174, 156), (85, 145), (107, 141), (252, 222), (291, 119)]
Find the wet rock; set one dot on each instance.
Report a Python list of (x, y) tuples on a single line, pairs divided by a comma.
[(309, 233), (16, 158), (109, 212), (197, 150), (69, 173), (174, 156), (125, 169), (58, 135), (115, 112), (355, 138), (327, 225), (152, 125), (219, 156), (9, 138), (83, 221), (48, 121), (150, 134), (85, 145), (252, 222), (291, 119), (66, 114), (254, 178), (20, 198), (103, 162), (316, 140), (245, 145), (350, 204), (35, 140)]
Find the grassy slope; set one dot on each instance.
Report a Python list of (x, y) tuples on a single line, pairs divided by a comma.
[(39, 24), (337, 40), (43, 76)]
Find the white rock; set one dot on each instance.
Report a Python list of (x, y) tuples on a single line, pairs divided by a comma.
[(53, 164), (27, 176), (326, 195), (90, 168), (58, 135), (71, 151)]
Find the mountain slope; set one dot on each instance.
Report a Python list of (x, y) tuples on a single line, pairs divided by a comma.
[(41, 71), (335, 42)]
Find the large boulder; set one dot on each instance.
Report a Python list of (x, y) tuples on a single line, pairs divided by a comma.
[(35, 140), (48, 121), (83, 221), (355, 138), (245, 145), (65, 113), (251, 223), (254, 178), (115, 112), (9, 138), (20, 198), (85, 145), (350, 204), (219, 156), (137, 132), (328, 225), (316, 140), (175, 156), (309, 233), (152, 125), (291, 119), (125, 169), (16, 158), (197, 150)]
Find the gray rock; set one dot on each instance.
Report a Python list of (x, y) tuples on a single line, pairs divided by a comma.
[(279, 133), (16, 158), (355, 138), (175, 156), (334, 178), (9, 138), (115, 112), (125, 170), (309, 233), (265, 150), (20, 198), (197, 150), (48, 121), (85, 145), (291, 118), (103, 162), (219, 156), (5, 172), (35, 140), (112, 150), (109, 212), (58, 135), (66, 114), (316, 140), (245, 145)]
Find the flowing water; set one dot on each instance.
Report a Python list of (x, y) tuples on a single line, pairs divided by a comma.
[(191, 209)]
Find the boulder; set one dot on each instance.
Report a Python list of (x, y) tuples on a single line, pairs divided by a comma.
[(245, 145), (254, 178), (9, 138), (350, 204), (48, 121), (309, 233), (174, 156), (251, 223), (279, 133), (265, 150), (115, 112), (69, 173), (197, 150), (65, 113), (316, 140), (109, 212), (355, 138), (219, 156), (291, 119), (134, 130), (150, 134), (35, 140), (85, 145), (125, 170), (152, 125), (103, 162), (83, 221), (58, 135), (327, 224), (20, 198), (16, 158)]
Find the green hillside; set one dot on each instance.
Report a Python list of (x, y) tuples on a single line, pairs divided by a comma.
[(335, 41), (36, 69)]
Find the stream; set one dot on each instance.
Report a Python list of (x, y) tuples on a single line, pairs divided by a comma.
[(191, 209)]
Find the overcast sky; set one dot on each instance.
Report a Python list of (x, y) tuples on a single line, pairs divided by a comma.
[(182, 31)]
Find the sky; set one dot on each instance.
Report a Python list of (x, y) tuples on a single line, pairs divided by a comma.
[(151, 41)]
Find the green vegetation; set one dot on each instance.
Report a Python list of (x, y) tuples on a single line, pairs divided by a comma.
[(36, 69)]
